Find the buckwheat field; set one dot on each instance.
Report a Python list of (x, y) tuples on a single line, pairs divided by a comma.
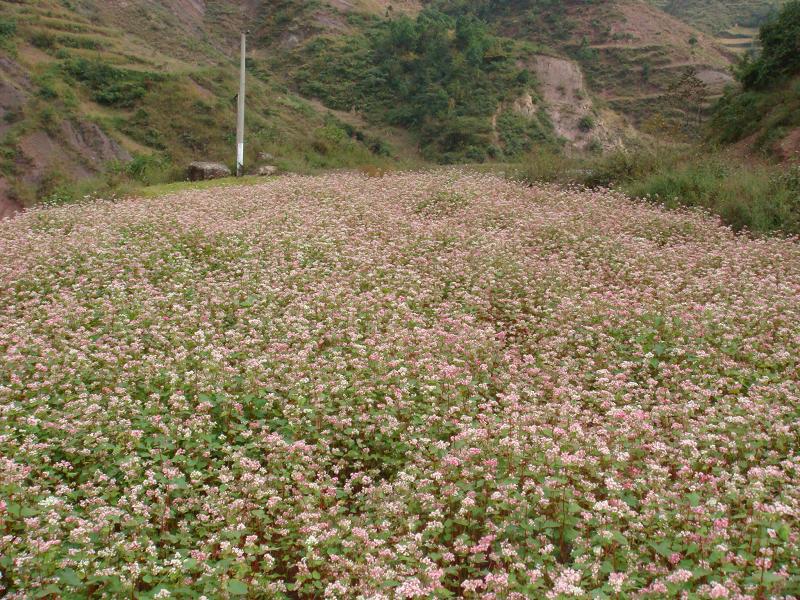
[(415, 386)]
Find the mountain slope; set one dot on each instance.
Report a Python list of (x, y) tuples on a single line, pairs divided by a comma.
[(631, 52), (113, 90), (102, 91), (716, 16)]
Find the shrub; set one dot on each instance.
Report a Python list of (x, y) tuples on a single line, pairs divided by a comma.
[(148, 169), (623, 165), (759, 198), (110, 85), (43, 40), (8, 28), (548, 167), (780, 55)]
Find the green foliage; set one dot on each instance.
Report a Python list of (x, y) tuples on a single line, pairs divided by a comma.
[(149, 169), (759, 197), (438, 75), (586, 123), (43, 40), (8, 28), (111, 85), (733, 116), (780, 55)]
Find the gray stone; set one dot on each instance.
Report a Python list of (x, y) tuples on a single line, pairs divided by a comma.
[(201, 171), (266, 170)]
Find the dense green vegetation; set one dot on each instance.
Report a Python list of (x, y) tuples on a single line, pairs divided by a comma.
[(767, 105), (757, 196), (110, 85), (780, 50), (443, 77)]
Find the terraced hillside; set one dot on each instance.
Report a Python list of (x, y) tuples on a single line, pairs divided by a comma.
[(739, 39), (718, 16), (630, 52)]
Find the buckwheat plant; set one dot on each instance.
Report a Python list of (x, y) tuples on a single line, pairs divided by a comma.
[(417, 386)]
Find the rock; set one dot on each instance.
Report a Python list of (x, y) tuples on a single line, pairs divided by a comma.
[(524, 106), (265, 156), (267, 170), (91, 143), (200, 171)]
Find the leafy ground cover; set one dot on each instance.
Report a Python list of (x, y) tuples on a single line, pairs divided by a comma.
[(414, 386)]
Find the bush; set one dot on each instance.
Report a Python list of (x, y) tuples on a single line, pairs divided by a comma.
[(8, 28), (547, 167), (624, 165), (780, 55), (43, 40), (759, 198), (110, 85), (148, 169)]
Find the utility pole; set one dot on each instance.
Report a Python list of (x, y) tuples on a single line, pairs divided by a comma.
[(240, 116)]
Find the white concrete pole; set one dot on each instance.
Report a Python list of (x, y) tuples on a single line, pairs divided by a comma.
[(240, 116)]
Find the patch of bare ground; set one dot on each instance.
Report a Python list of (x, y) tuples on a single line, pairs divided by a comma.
[(570, 106), (8, 206)]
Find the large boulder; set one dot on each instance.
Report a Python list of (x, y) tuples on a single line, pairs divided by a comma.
[(200, 171)]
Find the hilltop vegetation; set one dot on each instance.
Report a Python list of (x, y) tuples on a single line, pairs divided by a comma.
[(445, 78), (766, 109)]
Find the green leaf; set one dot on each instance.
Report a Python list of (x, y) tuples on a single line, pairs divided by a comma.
[(783, 532), (663, 549), (771, 577), (69, 577), (237, 588), (48, 590)]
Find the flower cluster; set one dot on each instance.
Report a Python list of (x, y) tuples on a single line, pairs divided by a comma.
[(415, 386)]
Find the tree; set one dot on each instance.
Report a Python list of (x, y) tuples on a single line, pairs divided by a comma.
[(780, 55), (690, 95)]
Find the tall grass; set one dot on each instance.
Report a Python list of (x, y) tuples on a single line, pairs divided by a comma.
[(756, 196)]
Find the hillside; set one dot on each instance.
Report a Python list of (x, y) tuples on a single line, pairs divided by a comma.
[(735, 23), (415, 386), (97, 94), (719, 16), (630, 52), (617, 59), (762, 114)]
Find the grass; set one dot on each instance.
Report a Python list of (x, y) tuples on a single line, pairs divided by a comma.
[(747, 194)]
